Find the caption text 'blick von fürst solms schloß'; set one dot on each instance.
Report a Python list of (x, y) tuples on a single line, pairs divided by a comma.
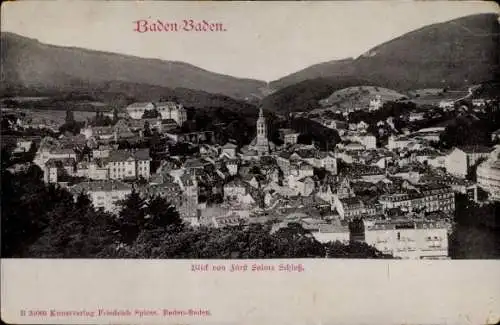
[(248, 267)]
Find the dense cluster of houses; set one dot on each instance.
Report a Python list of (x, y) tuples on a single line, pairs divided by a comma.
[(404, 192)]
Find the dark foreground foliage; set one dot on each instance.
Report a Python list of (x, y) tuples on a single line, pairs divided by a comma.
[(40, 221)]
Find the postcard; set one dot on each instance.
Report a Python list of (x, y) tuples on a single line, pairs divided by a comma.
[(170, 162)]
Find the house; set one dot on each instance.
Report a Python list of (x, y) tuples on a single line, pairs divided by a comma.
[(461, 159), (488, 177), (409, 239), (172, 110), (301, 169), (304, 186), (234, 190), (447, 104), (349, 208), (57, 168), (289, 136), (416, 116), (375, 103), (335, 124), (332, 232), (369, 141), (22, 146), (94, 169), (232, 166), (478, 102), (45, 153), (102, 151), (229, 150), (428, 198), (103, 194), (125, 164), (399, 143)]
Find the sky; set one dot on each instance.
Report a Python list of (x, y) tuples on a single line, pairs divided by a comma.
[(264, 40)]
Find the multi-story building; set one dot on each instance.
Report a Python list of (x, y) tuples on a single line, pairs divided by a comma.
[(136, 110), (488, 177), (429, 198), (171, 110), (369, 141), (124, 164), (167, 110), (461, 159), (56, 168), (104, 194), (44, 154), (409, 239), (289, 136), (234, 189), (399, 143)]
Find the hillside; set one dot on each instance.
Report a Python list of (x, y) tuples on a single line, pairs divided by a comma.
[(119, 94), (320, 70), (454, 54), (27, 63), (359, 96), (305, 95)]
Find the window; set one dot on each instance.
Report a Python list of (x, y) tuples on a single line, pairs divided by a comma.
[(399, 236)]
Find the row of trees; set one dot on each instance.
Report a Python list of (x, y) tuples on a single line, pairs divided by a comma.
[(46, 221)]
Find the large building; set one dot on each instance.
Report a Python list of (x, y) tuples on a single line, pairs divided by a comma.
[(124, 164), (167, 110), (409, 239), (103, 194), (428, 198), (173, 111), (461, 159), (488, 176)]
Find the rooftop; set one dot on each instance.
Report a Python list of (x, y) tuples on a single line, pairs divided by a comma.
[(101, 186)]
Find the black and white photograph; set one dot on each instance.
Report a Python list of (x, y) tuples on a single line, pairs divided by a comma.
[(363, 131)]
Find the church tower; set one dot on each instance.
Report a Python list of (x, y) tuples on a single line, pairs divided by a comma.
[(262, 143)]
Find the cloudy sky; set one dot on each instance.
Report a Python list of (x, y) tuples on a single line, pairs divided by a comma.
[(262, 40)]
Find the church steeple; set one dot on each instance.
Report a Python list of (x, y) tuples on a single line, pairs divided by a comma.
[(261, 142), (261, 128)]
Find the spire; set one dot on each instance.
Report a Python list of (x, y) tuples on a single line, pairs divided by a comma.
[(261, 114)]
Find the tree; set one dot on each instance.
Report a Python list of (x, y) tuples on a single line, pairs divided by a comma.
[(132, 215), (83, 202), (161, 214)]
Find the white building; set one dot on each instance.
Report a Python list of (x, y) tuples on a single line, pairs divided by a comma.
[(445, 104), (136, 110), (332, 233), (488, 176), (409, 239), (375, 104), (369, 141), (234, 190), (171, 110), (123, 164), (461, 159), (399, 143), (104, 194)]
